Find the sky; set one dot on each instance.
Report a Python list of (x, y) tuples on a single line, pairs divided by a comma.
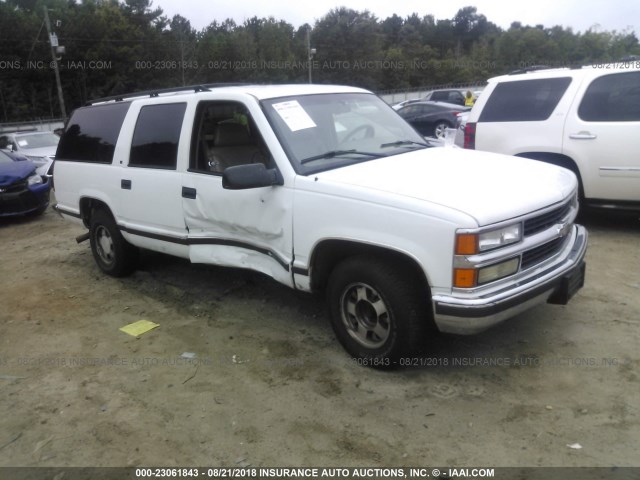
[(581, 15)]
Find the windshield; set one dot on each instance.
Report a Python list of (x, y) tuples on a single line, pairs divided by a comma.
[(5, 158), (327, 131), (37, 140)]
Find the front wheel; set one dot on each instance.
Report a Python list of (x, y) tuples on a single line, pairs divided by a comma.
[(113, 254), (379, 312)]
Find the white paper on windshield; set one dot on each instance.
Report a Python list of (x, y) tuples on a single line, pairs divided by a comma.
[(294, 115), (22, 143)]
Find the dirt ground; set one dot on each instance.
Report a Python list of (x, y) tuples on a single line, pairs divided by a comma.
[(270, 385)]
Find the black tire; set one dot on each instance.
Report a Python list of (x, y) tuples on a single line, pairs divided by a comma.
[(379, 312), (113, 254)]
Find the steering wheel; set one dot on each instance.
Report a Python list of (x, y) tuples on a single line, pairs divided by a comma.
[(367, 129)]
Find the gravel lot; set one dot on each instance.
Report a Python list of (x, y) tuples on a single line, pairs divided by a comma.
[(270, 386)]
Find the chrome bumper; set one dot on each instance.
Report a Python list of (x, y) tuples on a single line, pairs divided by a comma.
[(557, 284)]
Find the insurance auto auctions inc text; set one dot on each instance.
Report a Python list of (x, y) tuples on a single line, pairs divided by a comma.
[(374, 473)]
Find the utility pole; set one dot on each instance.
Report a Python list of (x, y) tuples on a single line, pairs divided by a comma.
[(310, 51), (4, 107), (53, 39)]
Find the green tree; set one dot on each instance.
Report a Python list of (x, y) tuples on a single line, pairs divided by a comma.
[(348, 42), (139, 49)]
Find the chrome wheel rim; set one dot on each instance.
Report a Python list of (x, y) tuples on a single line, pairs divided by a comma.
[(104, 245), (365, 315), (440, 130)]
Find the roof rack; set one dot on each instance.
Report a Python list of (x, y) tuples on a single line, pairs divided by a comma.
[(532, 68), (158, 91), (575, 66)]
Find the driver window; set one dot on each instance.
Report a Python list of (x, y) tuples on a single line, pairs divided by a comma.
[(225, 136)]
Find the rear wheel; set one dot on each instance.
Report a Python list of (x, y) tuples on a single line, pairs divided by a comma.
[(113, 254), (378, 310), (440, 129)]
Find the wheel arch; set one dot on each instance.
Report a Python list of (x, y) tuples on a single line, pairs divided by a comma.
[(329, 253), (88, 205)]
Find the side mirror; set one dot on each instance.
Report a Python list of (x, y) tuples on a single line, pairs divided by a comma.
[(252, 175)]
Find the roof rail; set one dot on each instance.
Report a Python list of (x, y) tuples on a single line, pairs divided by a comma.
[(532, 68), (576, 66), (158, 91)]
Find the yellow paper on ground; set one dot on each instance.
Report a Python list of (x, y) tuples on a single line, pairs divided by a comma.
[(136, 329)]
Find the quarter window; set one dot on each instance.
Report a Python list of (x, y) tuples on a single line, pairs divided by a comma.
[(92, 133), (524, 101), (156, 137), (612, 98)]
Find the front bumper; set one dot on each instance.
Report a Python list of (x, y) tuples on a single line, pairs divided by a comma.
[(556, 284), (24, 200)]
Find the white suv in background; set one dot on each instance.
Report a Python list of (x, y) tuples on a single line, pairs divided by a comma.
[(585, 119)]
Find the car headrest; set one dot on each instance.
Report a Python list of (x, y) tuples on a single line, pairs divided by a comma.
[(231, 134)]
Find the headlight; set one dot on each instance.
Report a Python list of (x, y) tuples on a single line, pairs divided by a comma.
[(37, 160), (471, 277), (498, 271), (474, 243), (34, 180), (479, 243), (500, 237)]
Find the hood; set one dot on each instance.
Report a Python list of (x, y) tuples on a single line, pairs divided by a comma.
[(40, 152), (15, 171), (487, 186)]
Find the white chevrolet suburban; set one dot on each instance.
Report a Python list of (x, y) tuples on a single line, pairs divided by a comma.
[(324, 188)]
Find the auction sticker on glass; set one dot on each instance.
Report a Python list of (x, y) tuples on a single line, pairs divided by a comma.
[(294, 115)]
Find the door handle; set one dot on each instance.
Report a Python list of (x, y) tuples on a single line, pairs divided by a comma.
[(188, 192), (583, 136), (125, 184)]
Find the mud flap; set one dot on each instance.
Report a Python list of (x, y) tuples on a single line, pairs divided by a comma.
[(569, 285)]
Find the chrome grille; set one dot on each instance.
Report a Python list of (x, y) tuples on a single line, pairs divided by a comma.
[(18, 186), (542, 222), (541, 253)]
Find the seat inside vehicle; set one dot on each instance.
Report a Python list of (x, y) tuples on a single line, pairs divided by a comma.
[(231, 146), (225, 139)]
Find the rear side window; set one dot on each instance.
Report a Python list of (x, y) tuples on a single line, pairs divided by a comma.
[(92, 133), (156, 137), (524, 101), (408, 111), (612, 98)]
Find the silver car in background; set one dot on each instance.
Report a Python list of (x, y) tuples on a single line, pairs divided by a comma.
[(39, 147)]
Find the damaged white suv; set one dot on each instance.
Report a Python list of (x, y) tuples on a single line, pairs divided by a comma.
[(324, 188)]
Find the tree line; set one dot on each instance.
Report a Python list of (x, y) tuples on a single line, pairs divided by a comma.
[(119, 46)]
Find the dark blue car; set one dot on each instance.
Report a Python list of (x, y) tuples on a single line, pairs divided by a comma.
[(22, 190)]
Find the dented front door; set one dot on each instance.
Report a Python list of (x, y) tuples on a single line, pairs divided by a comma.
[(239, 228)]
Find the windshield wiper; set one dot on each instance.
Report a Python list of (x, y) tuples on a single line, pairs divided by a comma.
[(337, 153), (400, 143)]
